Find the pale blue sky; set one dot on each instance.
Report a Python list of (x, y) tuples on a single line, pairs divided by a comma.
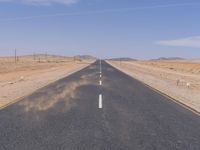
[(103, 28)]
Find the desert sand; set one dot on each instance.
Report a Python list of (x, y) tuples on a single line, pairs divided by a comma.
[(22, 76), (177, 79)]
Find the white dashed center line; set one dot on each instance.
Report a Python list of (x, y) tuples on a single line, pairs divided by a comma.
[(100, 101), (100, 68), (100, 82)]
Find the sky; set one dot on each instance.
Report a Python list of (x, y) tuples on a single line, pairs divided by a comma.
[(141, 29)]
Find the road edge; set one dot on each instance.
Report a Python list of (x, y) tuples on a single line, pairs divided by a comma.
[(48, 84), (159, 92)]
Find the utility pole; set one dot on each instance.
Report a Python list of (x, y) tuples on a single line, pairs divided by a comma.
[(46, 56), (15, 56), (34, 56)]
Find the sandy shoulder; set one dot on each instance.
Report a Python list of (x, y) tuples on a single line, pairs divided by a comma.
[(164, 77), (18, 83)]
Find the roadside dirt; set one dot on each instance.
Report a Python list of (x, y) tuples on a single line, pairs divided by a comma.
[(178, 79), (28, 74)]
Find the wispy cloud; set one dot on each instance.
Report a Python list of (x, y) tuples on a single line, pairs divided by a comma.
[(42, 2), (67, 2), (183, 42)]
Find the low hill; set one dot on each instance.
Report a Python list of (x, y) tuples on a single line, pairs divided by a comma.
[(85, 57), (169, 58)]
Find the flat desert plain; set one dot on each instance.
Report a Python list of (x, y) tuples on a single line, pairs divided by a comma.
[(25, 74), (179, 79)]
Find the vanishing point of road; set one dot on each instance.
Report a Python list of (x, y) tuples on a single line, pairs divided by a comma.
[(98, 108)]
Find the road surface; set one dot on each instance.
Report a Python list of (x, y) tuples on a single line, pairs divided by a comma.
[(98, 109)]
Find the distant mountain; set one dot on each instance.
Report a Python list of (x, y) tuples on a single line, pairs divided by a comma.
[(85, 57), (169, 58), (123, 59)]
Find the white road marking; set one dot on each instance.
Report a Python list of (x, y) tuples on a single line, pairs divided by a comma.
[(100, 101), (100, 66), (100, 83)]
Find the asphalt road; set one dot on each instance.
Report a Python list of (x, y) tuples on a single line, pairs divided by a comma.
[(66, 116)]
